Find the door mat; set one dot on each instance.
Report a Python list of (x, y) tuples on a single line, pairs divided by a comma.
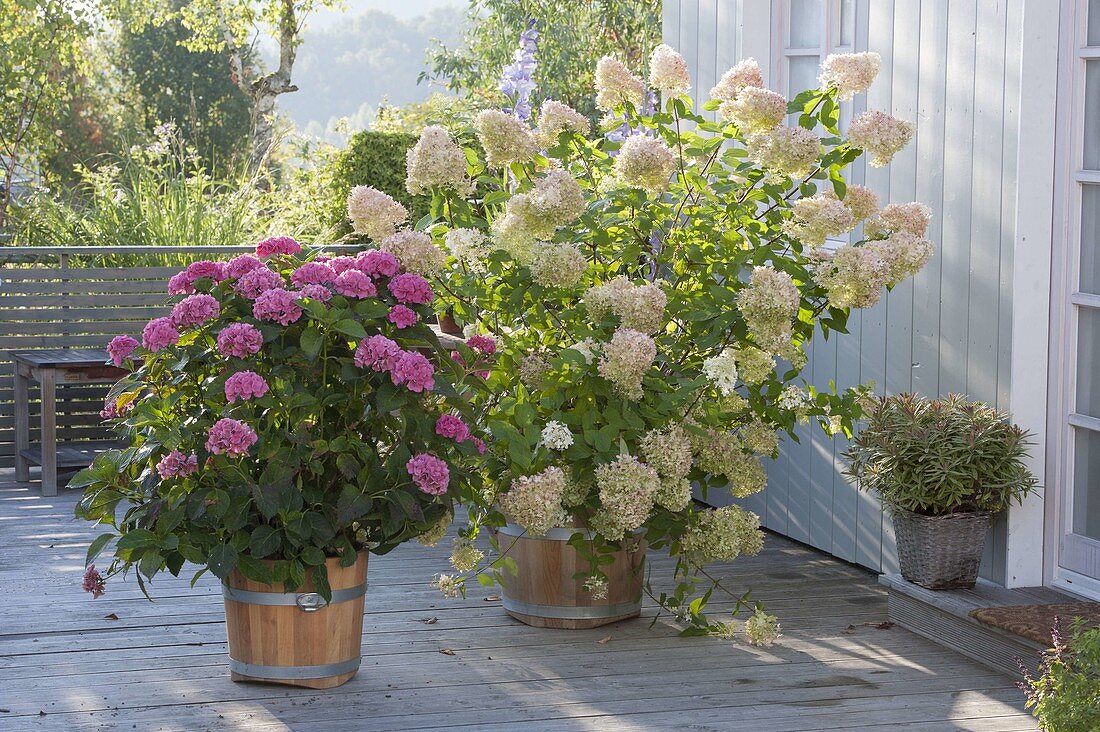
[(1034, 621)]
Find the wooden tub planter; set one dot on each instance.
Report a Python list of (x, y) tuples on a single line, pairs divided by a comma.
[(296, 638), (544, 593)]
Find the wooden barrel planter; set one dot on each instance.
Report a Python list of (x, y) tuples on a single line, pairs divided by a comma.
[(296, 638), (543, 592)]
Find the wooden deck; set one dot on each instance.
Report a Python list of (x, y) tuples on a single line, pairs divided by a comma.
[(70, 663)]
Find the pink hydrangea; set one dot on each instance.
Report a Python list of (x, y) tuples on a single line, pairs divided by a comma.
[(111, 411), (240, 340), (120, 348), (195, 310), (342, 264), (245, 385), (377, 263), (159, 333), (256, 282), (313, 273), (411, 289), (453, 427), (320, 293), (402, 316), (240, 266), (205, 268), (430, 473), (181, 284), (94, 582), (278, 305), (177, 465), (414, 371), (277, 245), (456, 356), (484, 345), (479, 444), (230, 437), (377, 352), (354, 283)]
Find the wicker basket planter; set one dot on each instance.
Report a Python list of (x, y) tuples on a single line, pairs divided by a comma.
[(940, 552)]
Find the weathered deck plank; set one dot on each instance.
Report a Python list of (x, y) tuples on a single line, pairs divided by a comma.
[(160, 666)]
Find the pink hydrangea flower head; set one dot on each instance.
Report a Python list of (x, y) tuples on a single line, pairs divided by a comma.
[(194, 310), (230, 437), (177, 465), (448, 425), (245, 385), (353, 283), (111, 411), (313, 273), (181, 284), (94, 582), (411, 289), (120, 348), (414, 371), (159, 333), (342, 264), (238, 267), (240, 339), (277, 245), (320, 293), (402, 316), (205, 268), (484, 345), (278, 305), (479, 444), (430, 473), (257, 281), (377, 263), (377, 352)]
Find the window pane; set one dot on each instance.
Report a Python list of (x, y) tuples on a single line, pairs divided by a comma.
[(1092, 115), (1088, 363), (803, 76), (1090, 239), (848, 22), (805, 23), (1093, 38), (1086, 483)]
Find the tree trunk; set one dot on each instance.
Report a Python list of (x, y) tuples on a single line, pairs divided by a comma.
[(263, 130)]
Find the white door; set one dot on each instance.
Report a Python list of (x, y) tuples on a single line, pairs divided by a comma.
[(1078, 477)]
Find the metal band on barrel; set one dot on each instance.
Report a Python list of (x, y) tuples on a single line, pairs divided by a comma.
[(557, 534), (324, 670), (251, 597), (571, 613)]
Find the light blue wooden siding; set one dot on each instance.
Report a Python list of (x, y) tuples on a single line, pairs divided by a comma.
[(953, 68)]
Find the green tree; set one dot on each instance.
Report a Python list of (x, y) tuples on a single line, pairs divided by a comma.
[(572, 37)]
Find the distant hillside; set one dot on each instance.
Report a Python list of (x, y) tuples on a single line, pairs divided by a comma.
[(344, 69)]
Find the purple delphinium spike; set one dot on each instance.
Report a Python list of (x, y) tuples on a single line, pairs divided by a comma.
[(625, 130), (517, 79)]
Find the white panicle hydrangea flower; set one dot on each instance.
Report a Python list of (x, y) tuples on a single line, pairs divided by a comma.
[(436, 161), (645, 162), (556, 436), (512, 233), (762, 629), (416, 251), (745, 74), (784, 151), (755, 110), (558, 265), (465, 556), (850, 73), (469, 247), (555, 118), (668, 452), (720, 453), (615, 85), (668, 71), (555, 200), (768, 303), (760, 438), (721, 535), (589, 348), (556, 197), (628, 490), (815, 218), (641, 308), (597, 587), (793, 398), (374, 213), (432, 536), (505, 138), (534, 501), (853, 277), (905, 254), (722, 371), (755, 364), (449, 585), (910, 218), (625, 360), (674, 494), (861, 201), (879, 135), (600, 300)]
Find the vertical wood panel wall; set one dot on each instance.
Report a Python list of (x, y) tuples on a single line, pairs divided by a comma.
[(953, 68)]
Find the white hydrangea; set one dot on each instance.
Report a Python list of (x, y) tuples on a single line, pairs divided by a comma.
[(468, 246), (504, 137), (903, 253), (755, 110), (850, 73), (879, 135), (769, 303), (910, 218), (416, 251), (589, 348), (615, 85), (861, 201), (436, 161), (815, 218), (374, 213), (556, 436), (784, 151), (668, 71), (745, 73), (853, 276), (558, 264), (645, 162), (793, 398), (722, 370), (555, 118)]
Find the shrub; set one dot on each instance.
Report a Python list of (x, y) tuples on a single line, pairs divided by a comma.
[(1066, 695), (940, 456)]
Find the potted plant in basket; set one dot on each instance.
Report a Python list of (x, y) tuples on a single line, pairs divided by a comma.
[(943, 468), (650, 289), (293, 414)]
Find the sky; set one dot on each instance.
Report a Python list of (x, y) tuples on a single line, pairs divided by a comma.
[(403, 9)]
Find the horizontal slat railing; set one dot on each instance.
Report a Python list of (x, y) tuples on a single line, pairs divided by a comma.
[(81, 297)]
